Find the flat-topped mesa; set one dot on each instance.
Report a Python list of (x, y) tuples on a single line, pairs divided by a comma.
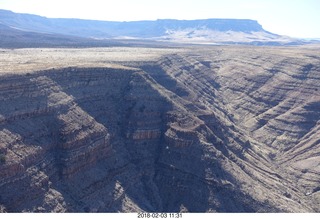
[(61, 32), (243, 25), (140, 29)]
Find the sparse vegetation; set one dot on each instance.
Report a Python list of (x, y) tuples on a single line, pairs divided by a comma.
[(272, 156), (2, 158)]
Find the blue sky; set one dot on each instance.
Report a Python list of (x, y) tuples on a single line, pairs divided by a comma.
[(296, 18)]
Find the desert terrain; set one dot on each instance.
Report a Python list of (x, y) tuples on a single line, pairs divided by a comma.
[(181, 129)]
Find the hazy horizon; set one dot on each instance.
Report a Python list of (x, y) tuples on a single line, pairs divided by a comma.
[(294, 18)]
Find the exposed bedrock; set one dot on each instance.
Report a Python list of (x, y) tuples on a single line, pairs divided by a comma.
[(197, 133)]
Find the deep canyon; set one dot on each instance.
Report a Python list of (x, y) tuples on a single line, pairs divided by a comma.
[(192, 129)]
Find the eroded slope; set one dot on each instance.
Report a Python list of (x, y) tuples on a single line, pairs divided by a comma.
[(227, 129)]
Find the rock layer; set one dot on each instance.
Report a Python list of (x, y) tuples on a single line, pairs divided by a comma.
[(225, 129)]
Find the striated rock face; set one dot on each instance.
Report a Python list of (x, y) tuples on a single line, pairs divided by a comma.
[(209, 130)]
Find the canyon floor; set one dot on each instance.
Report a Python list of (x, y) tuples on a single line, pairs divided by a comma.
[(180, 129)]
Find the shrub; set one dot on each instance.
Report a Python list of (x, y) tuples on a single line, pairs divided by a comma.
[(2, 158), (142, 108), (2, 209)]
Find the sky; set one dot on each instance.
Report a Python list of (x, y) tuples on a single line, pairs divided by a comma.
[(295, 18)]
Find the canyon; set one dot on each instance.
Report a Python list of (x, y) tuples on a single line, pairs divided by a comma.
[(180, 129)]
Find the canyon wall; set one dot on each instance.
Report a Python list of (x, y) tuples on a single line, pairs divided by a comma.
[(203, 131)]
